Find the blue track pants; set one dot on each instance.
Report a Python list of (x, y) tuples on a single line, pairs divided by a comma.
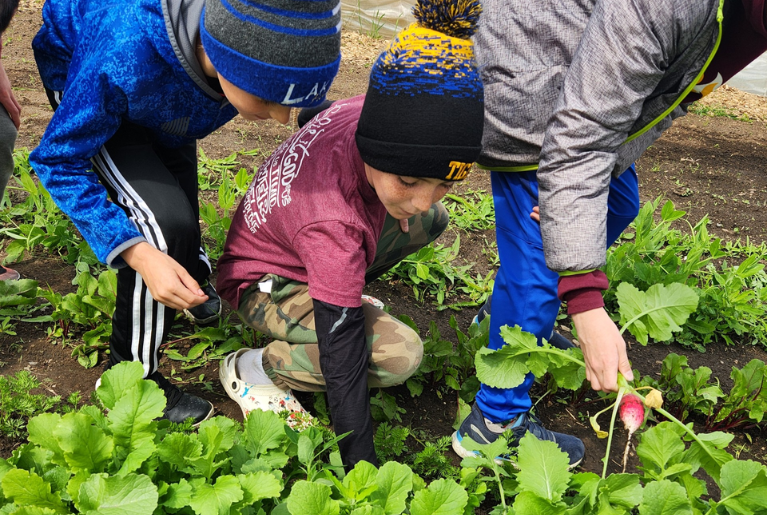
[(525, 291)]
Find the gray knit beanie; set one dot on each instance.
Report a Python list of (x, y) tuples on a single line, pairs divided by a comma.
[(285, 51)]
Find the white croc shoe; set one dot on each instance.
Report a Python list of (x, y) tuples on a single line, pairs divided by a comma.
[(264, 397)]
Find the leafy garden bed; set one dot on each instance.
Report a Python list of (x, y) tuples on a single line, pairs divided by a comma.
[(703, 451)]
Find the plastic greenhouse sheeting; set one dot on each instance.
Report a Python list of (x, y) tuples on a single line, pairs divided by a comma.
[(377, 18), (752, 78), (384, 18)]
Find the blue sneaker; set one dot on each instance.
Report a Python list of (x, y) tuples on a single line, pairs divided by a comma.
[(482, 431), (484, 310)]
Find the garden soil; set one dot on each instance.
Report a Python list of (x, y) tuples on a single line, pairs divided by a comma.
[(706, 165)]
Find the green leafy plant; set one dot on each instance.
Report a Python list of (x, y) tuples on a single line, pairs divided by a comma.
[(542, 483), (129, 462), (686, 390), (384, 408), (745, 403), (18, 403), (442, 361), (90, 308), (732, 298), (471, 210), (212, 343), (430, 271), (376, 23), (717, 111), (16, 297), (656, 313), (38, 221)]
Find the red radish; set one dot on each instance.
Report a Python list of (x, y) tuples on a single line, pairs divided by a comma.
[(631, 411)]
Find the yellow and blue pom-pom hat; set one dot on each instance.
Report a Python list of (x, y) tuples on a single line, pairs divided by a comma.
[(424, 109)]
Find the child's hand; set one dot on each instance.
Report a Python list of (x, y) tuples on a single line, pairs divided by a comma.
[(404, 226), (536, 214), (168, 282), (604, 350)]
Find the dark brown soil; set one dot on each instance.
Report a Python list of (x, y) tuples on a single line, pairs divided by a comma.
[(706, 165)]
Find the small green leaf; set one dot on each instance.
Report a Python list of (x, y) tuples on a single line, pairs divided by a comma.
[(178, 495), (132, 422), (41, 429), (132, 494), (361, 480), (18, 293), (659, 312), (621, 491), (543, 468), (196, 351), (664, 498), (441, 497), (178, 448), (660, 445), (28, 489), (216, 499), (261, 485), (85, 446), (744, 487), (711, 454), (529, 502), (395, 481), (264, 430), (117, 380), (506, 367), (312, 499)]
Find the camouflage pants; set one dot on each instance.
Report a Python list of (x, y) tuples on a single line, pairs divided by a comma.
[(285, 312)]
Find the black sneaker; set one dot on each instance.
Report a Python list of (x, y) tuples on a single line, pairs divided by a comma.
[(475, 427), (560, 342), (556, 340), (181, 405), (207, 312)]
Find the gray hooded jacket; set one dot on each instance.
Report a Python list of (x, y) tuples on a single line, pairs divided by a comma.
[(578, 77), (635, 59)]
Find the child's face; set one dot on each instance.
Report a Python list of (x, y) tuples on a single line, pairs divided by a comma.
[(403, 196), (252, 107)]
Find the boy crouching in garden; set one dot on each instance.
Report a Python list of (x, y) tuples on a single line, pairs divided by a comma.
[(321, 220)]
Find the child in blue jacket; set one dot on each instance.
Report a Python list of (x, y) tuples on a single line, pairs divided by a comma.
[(134, 85)]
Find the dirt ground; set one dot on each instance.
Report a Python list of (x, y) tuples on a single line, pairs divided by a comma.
[(706, 165)]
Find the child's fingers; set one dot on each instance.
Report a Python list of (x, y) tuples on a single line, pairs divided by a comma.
[(536, 214), (404, 225), (189, 283)]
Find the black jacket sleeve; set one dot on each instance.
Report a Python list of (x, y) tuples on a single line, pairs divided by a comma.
[(307, 113), (344, 364)]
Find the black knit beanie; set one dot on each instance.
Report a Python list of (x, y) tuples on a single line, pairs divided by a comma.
[(424, 110)]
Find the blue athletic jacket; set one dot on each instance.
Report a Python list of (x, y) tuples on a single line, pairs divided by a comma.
[(117, 60)]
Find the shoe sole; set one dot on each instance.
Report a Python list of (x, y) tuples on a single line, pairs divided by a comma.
[(464, 453), (208, 416), (201, 321)]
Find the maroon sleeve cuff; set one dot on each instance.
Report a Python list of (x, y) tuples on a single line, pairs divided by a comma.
[(583, 292)]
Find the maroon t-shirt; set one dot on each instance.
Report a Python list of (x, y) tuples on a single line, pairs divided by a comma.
[(310, 215), (744, 38)]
